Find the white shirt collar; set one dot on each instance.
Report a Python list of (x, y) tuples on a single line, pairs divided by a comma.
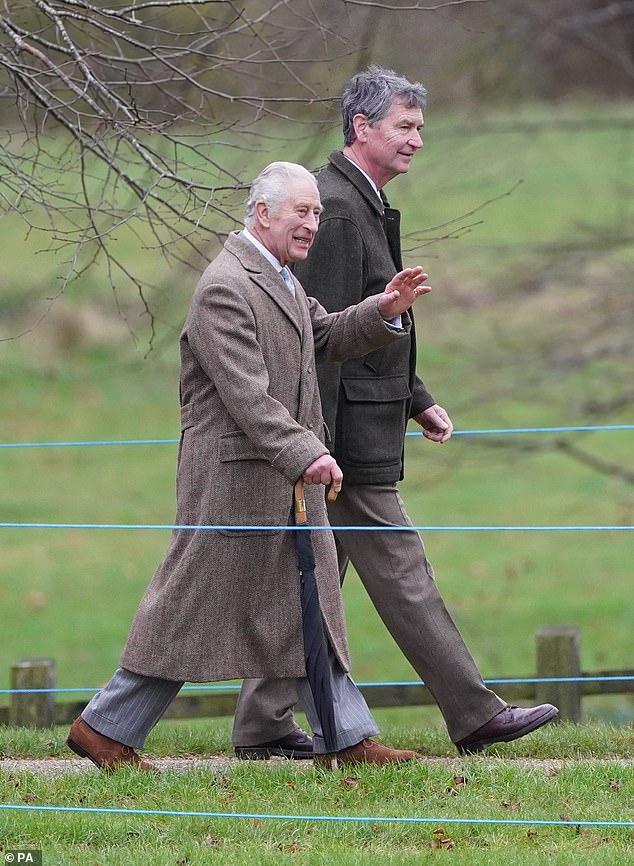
[(366, 176), (262, 249)]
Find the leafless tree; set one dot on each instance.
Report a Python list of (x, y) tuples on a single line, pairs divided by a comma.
[(141, 102), (558, 47)]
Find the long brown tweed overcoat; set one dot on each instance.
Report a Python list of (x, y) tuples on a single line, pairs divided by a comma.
[(225, 603)]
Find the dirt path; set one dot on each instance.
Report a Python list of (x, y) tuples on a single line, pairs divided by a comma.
[(60, 766)]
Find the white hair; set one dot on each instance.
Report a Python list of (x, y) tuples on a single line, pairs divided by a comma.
[(271, 187)]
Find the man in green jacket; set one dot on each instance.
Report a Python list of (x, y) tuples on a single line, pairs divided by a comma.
[(367, 403)]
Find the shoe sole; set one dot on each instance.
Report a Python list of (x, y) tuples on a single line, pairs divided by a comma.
[(106, 768), (256, 754), (481, 745)]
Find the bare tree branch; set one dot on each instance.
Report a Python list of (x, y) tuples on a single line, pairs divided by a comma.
[(146, 103), (598, 464), (418, 7)]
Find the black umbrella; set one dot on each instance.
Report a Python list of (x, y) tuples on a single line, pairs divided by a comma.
[(315, 641)]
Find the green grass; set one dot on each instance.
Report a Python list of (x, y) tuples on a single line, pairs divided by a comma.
[(448, 795), (574, 773), (400, 728)]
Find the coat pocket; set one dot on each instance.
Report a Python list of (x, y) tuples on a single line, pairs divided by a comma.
[(253, 494), (371, 426), (236, 446), (376, 389)]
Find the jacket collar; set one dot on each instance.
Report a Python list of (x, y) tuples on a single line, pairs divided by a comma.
[(358, 180), (265, 275), (390, 217)]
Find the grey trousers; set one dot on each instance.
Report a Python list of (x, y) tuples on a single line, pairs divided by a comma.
[(400, 581), (129, 706)]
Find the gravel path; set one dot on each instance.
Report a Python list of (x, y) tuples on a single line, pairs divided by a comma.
[(60, 766), (57, 766)]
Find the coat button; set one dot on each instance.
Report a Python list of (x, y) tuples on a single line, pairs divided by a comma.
[(310, 425)]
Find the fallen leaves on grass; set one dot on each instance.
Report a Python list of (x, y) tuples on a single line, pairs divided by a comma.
[(457, 784), (349, 781), (441, 840)]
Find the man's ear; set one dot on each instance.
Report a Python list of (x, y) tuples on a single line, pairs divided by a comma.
[(360, 125), (262, 213)]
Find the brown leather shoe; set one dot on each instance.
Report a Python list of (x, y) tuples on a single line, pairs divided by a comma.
[(107, 754), (511, 723), (368, 752)]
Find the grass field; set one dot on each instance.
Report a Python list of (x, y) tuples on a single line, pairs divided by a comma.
[(480, 811), (529, 324), (447, 796)]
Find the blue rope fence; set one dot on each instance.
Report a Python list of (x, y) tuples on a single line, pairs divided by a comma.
[(365, 819), (306, 527), (257, 528), (493, 432), (211, 687)]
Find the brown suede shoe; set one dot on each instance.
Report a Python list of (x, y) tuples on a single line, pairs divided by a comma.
[(511, 723), (368, 752), (107, 754)]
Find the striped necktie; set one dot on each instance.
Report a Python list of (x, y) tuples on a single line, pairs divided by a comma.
[(286, 276)]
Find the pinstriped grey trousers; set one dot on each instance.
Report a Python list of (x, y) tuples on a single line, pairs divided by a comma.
[(129, 706)]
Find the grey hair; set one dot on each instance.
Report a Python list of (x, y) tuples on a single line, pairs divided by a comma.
[(372, 94), (271, 187)]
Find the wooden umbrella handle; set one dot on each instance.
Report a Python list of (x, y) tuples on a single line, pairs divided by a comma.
[(300, 502)]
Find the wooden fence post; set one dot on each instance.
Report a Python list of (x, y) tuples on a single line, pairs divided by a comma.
[(558, 655), (33, 710)]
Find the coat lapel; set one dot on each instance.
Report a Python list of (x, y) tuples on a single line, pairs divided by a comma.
[(273, 285), (390, 218), (263, 274)]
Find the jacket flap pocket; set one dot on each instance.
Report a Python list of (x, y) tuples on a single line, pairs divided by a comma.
[(237, 446), (383, 389)]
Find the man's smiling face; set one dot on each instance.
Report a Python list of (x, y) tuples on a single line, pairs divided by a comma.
[(389, 145), (289, 231)]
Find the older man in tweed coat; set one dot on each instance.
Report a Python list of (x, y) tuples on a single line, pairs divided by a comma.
[(224, 602)]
